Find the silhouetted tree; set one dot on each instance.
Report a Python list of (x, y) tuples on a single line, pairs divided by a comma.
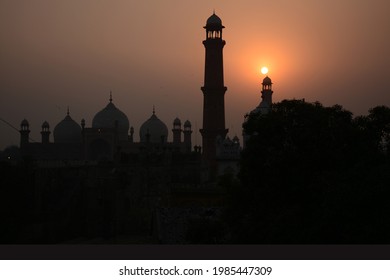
[(313, 174)]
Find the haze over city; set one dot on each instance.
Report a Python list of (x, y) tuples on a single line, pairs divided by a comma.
[(56, 54)]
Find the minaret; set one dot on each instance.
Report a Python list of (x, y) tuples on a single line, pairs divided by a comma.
[(213, 90), (266, 95), (45, 133), (266, 98), (176, 131), (187, 136), (24, 133), (265, 105)]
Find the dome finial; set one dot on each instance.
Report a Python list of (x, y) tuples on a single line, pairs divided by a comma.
[(214, 22), (110, 96), (67, 111), (154, 110)]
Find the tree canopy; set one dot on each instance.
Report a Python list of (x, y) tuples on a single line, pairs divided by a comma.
[(313, 174)]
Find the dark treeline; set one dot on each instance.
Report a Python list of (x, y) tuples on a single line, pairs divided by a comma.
[(312, 174), (309, 174)]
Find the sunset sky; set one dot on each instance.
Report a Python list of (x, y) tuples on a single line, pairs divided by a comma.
[(55, 54)]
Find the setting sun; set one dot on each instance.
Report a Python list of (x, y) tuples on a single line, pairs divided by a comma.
[(264, 70)]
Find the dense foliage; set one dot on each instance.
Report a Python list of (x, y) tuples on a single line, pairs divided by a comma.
[(313, 174)]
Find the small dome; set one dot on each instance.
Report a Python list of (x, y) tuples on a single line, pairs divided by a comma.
[(45, 124), (214, 20), (267, 81), (177, 121), (187, 123), (157, 130), (67, 131), (24, 123), (109, 116), (262, 109)]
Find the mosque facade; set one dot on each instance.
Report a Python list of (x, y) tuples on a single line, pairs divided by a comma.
[(110, 136), (94, 182)]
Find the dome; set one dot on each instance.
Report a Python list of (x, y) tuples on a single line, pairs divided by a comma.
[(187, 126), (187, 123), (45, 124), (109, 116), (214, 20), (263, 108), (24, 123), (157, 130), (267, 81), (67, 131), (177, 121)]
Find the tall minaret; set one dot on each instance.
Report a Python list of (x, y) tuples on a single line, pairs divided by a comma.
[(213, 90)]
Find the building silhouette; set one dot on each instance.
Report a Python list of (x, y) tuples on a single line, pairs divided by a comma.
[(266, 97), (213, 92), (264, 106), (97, 182), (111, 138)]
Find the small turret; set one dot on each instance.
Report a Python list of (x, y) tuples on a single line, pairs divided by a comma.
[(45, 133), (266, 95), (266, 98), (187, 136), (214, 27), (24, 133), (177, 131)]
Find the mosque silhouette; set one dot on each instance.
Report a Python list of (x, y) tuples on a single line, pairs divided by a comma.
[(111, 138), (96, 183)]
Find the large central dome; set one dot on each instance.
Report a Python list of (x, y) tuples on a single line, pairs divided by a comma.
[(110, 117)]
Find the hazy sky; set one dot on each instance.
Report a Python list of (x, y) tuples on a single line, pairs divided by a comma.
[(55, 53)]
